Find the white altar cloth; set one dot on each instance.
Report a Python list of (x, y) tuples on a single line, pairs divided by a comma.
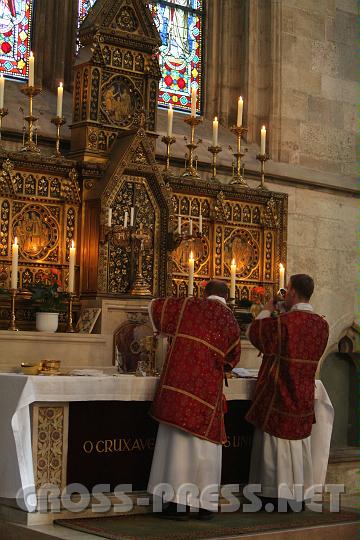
[(18, 392)]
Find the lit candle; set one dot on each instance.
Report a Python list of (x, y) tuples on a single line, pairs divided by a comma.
[(200, 223), (263, 141), (240, 112), (233, 279), (72, 267), (2, 88), (191, 274), (132, 211), (14, 264), (60, 93), (170, 121), (215, 131), (126, 219), (190, 227), (109, 216), (193, 102), (31, 70), (282, 277), (179, 225)]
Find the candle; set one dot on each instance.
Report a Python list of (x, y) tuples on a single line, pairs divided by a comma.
[(240, 112), (14, 264), (190, 227), (263, 141), (31, 70), (132, 211), (109, 217), (126, 218), (60, 93), (2, 88), (179, 225), (170, 115), (200, 223), (282, 277), (233, 279), (193, 102), (191, 274), (215, 131), (72, 267)]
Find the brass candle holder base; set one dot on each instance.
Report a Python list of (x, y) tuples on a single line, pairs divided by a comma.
[(190, 170), (262, 158), (168, 141), (69, 319), (30, 92), (13, 293), (215, 150), (238, 178), (58, 121)]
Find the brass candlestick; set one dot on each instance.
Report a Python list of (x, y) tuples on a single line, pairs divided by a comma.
[(58, 121), (3, 112), (69, 318), (262, 158), (190, 170), (140, 285), (237, 176), (215, 150), (30, 91), (168, 141), (13, 293)]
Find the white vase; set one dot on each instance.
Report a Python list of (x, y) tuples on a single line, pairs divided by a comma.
[(47, 322)]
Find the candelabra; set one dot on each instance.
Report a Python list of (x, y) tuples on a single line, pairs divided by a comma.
[(190, 170), (13, 293), (58, 121), (214, 150), (30, 92), (238, 177), (168, 141), (3, 112), (262, 158), (69, 318)]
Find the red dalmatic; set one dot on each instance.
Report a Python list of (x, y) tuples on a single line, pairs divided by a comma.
[(292, 344), (205, 337)]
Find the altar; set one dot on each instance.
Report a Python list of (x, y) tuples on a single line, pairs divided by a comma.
[(55, 431)]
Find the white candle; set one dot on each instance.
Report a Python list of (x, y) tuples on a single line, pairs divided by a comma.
[(60, 93), (179, 225), (282, 277), (215, 131), (190, 227), (193, 102), (200, 223), (170, 115), (109, 216), (240, 112), (126, 219), (191, 274), (263, 141), (14, 264), (233, 279), (132, 211), (72, 258), (31, 70), (2, 88)]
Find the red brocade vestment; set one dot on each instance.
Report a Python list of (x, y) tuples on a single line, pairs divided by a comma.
[(292, 344), (205, 337)]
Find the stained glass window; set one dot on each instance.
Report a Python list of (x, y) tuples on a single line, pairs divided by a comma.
[(15, 28), (179, 23), (84, 6)]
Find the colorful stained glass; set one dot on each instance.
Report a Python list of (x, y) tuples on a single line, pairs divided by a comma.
[(84, 6), (15, 29), (179, 23)]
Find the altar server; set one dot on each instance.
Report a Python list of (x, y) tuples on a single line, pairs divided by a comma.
[(189, 402), (283, 403)]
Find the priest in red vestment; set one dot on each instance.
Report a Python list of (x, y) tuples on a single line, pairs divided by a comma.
[(189, 402), (282, 410)]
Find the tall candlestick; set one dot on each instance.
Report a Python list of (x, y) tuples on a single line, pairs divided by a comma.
[(233, 279), (14, 264), (191, 275), (170, 115), (2, 88), (200, 223), (215, 131), (282, 277), (126, 219), (179, 225), (31, 70), (240, 112), (132, 211), (190, 227), (60, 93), (109, 217), (263, 141), (193, 102), (72, 258)]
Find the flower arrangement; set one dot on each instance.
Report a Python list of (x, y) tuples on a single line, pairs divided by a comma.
[(258, 295), (47, 293)]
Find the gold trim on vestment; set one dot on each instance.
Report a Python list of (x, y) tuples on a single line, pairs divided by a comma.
[(220, 395), (203, 342), (185, 393)]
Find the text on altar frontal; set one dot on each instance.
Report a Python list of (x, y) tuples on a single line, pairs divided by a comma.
[(118, 445)]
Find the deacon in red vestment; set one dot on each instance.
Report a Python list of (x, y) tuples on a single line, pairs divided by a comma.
[(282, 410), (189, 402)]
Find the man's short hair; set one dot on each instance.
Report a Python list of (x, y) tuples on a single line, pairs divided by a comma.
[(303, 285), (217, 288)]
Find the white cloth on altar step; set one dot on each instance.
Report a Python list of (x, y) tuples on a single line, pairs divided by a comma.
[(276, 461), (181, 458)]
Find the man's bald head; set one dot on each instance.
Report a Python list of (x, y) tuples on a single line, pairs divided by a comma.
[(217, 288)]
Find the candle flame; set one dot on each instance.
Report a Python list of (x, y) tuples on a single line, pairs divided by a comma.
[(240, 98), (15, 241), (233, 262), (263, 128), (215, 118), (31, 54), (170, 106), (191, 256), (60, 84), (281, 266), (72, 243)]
